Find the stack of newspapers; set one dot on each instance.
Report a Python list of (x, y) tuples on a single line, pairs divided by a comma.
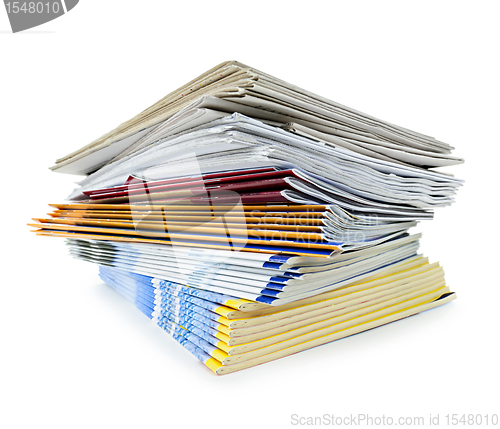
[(250, 219)]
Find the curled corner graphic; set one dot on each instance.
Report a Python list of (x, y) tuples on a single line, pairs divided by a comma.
[(70, 4), (28, 14)]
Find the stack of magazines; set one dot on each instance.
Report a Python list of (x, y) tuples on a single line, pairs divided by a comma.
[(250, 219)]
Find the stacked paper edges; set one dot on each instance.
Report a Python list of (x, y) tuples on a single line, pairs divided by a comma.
[(251, 219)]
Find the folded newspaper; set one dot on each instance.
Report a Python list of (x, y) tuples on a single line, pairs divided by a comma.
[(250, 219)]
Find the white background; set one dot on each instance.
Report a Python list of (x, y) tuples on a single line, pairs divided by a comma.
[(75, 354)]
